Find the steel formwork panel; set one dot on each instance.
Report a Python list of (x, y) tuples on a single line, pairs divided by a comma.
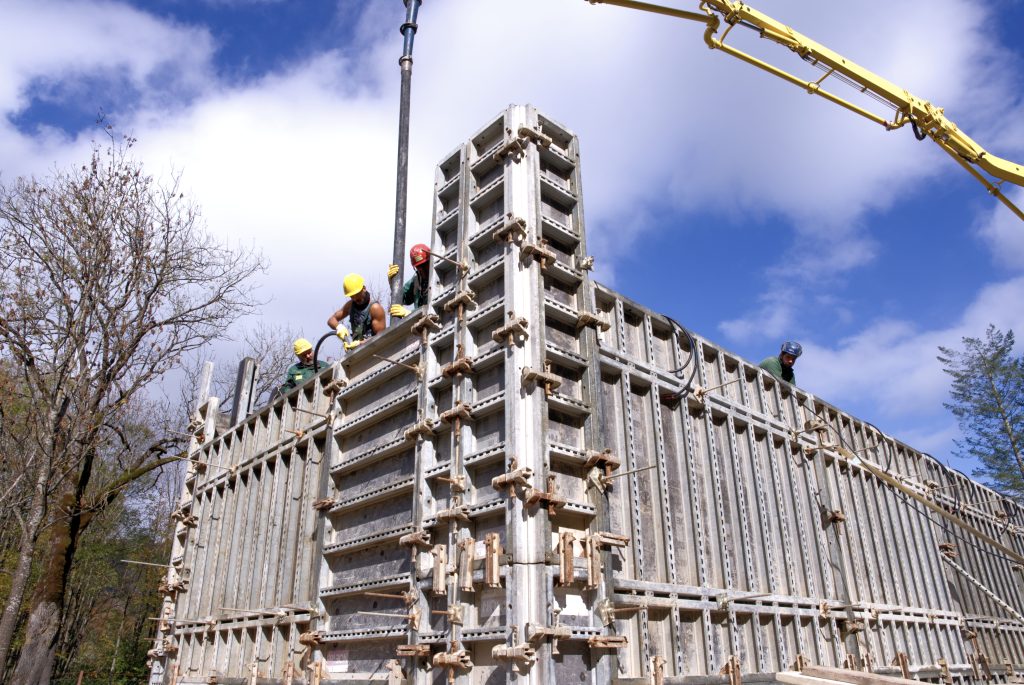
[(507, 487)]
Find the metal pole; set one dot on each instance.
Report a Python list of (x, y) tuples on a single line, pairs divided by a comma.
[(402, 185)]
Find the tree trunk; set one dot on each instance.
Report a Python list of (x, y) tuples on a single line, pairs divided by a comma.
[(19, 580), (38, 655), (35, 663)]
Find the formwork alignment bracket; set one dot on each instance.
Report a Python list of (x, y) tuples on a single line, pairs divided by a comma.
[(440, 574), (420, 538), (335, 386), (458, 512), (513, 332), (608, 611)]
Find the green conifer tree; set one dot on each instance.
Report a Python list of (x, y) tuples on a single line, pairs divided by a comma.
[(987, 398)]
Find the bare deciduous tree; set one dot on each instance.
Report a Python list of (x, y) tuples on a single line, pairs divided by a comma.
[(107, 278)]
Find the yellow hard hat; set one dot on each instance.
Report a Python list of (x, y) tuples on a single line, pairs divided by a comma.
[(301, 346), (353, 283)]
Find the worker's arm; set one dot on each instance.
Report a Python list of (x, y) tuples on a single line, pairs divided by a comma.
[(377, 318), (338, 316)]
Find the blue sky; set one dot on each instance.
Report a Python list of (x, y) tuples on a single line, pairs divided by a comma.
[(714, 193)]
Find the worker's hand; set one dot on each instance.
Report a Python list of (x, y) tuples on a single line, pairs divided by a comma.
[(341, 331), (392, 271), (351, 345), (399, 311)]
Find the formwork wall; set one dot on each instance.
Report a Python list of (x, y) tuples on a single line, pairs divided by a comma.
[(510, 487)]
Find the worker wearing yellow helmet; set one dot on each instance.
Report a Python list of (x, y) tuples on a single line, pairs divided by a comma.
[(365, 317), (301, 371)]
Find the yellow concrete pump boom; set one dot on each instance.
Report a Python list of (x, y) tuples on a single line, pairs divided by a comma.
[(926, 119)]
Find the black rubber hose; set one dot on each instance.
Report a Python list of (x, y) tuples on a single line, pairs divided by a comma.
[(316, 350), (691, 360), (917, 131)]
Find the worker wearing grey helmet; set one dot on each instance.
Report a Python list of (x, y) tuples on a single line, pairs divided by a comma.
[(781, 365)]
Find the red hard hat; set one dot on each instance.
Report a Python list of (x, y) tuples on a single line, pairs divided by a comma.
[(419, 254)]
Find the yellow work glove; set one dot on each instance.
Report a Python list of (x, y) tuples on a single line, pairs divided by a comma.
[(341, 331), (399, 311), (352, 345), (392, 271)]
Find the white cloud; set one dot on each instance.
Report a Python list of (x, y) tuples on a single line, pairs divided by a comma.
[(301, 162), (890, 367), (1003, 232)]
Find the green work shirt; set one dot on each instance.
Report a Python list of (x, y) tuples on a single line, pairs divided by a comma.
[(774, 366), (299, 373), (415, 291)]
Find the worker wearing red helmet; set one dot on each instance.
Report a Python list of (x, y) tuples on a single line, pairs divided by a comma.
[(417, 289)]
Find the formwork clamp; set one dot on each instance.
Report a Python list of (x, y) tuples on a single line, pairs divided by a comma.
[(424, 428), (513, 148), (461, 411), (510, 479), (732, 669), (184, 518), (534, 135), (535, 634), (586, 263), (548, 380), (593, 545), (467, 556), (459, 512), (513, 332), (492, 560), (524, 653), (415, 651), (464, 298), (539, 251), (311, 639), (335, 386), (513, 231), (429, 322), (455, 659), (324, 504), (419, 538), (607, 641), (591, 319), (548, 498), (948, 550), (462, 366), (440, 573)]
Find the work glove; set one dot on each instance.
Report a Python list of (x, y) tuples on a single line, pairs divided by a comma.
[(341, 331), (352, 345), (399, 311), (392, 271)]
